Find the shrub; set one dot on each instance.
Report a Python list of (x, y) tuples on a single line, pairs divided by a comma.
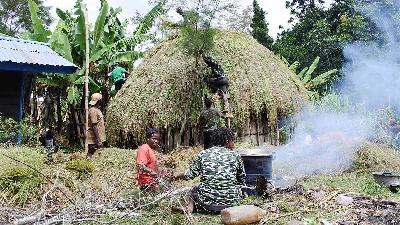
[(29, 133), (8, 129), (82, 166)]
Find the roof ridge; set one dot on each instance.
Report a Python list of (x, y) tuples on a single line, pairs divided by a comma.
[(22, 40)]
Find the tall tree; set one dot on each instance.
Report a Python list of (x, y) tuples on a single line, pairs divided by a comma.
[(15, 17), (324, 33), (299, 8), (260, 26)]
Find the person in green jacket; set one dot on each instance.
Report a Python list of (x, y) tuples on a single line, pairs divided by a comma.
[(118, 77)]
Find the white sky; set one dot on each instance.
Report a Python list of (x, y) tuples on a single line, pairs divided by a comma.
[(277, 14)]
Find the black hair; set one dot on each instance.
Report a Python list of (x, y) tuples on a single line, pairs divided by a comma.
[(220, 136), (150, 131), (208, 102)]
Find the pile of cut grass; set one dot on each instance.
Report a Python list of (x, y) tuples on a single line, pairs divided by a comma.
[(376, 157), (20, 184)]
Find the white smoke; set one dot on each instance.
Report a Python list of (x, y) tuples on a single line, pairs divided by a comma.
[(325, 141)]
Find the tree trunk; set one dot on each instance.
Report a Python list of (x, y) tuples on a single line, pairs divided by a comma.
[(86, 78), (106, 96), (59, 115)]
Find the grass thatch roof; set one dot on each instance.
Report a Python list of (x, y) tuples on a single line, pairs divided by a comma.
[(166, 89)]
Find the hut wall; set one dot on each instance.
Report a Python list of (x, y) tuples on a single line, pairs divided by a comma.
[(10, 94), (256, 131)]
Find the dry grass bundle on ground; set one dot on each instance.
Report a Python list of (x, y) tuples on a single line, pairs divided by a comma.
[(377, 157), (166, 90)]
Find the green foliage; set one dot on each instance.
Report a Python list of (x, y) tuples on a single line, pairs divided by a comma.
[(83, 167), (260, 26), (310, 221), (8, 129), (313, 83), (40, 33), (29, 133), (18, 183), (80, 32), (324, 33), (99, 25), (197, 35), (59, 41), (333, 102), (362, 183), (15, 18)]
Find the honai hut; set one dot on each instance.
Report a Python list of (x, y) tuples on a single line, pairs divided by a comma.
[(166, 91)]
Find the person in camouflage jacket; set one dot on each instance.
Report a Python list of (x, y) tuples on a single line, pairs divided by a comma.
[(221, 174)]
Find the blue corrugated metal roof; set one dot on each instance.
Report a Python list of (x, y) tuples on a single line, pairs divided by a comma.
[(31, 56)]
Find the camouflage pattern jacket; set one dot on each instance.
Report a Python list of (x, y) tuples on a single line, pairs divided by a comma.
[(221, 173)]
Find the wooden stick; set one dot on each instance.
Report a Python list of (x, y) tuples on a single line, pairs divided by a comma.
[(86, 75)]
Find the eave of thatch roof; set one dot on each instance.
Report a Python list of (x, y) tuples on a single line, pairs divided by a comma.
[(167, 88)]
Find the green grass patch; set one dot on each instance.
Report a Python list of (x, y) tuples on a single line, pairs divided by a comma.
[(82, 167)]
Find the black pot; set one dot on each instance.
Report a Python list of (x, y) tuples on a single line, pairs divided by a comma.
[(257, 164)]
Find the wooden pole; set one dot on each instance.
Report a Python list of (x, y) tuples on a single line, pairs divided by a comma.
[(86, 76)]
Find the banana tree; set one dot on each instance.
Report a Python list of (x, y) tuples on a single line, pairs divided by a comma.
[(313, 83), (109, 45)]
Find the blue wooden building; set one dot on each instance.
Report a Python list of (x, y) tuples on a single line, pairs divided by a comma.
[(20, 61)]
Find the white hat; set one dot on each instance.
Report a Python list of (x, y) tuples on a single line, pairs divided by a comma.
[(95, 98)]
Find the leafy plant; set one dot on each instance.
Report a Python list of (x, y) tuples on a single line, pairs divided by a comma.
[(197, 35), (82, 166), (8, 129), (313, 83), (29, 133)]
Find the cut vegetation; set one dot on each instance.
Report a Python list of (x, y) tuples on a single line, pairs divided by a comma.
[(105, 189)]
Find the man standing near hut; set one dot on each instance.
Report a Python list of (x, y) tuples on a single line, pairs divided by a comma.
[(96, 134), (208, 121)]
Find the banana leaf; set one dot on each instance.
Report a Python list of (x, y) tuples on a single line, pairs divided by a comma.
[(311, 70), (99, 25), (40, 33), (294, 66), (80, 25), (59, 41), (302, 72)]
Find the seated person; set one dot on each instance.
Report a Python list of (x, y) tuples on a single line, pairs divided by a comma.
[(221, 174), (149, 174)]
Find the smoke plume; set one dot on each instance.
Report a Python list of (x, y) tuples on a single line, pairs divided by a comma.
[(326, 140)]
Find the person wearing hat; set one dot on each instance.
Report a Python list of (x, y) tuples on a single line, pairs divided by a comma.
[(96, 134)]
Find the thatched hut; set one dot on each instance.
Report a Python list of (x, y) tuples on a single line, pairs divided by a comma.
[(166, 91)]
